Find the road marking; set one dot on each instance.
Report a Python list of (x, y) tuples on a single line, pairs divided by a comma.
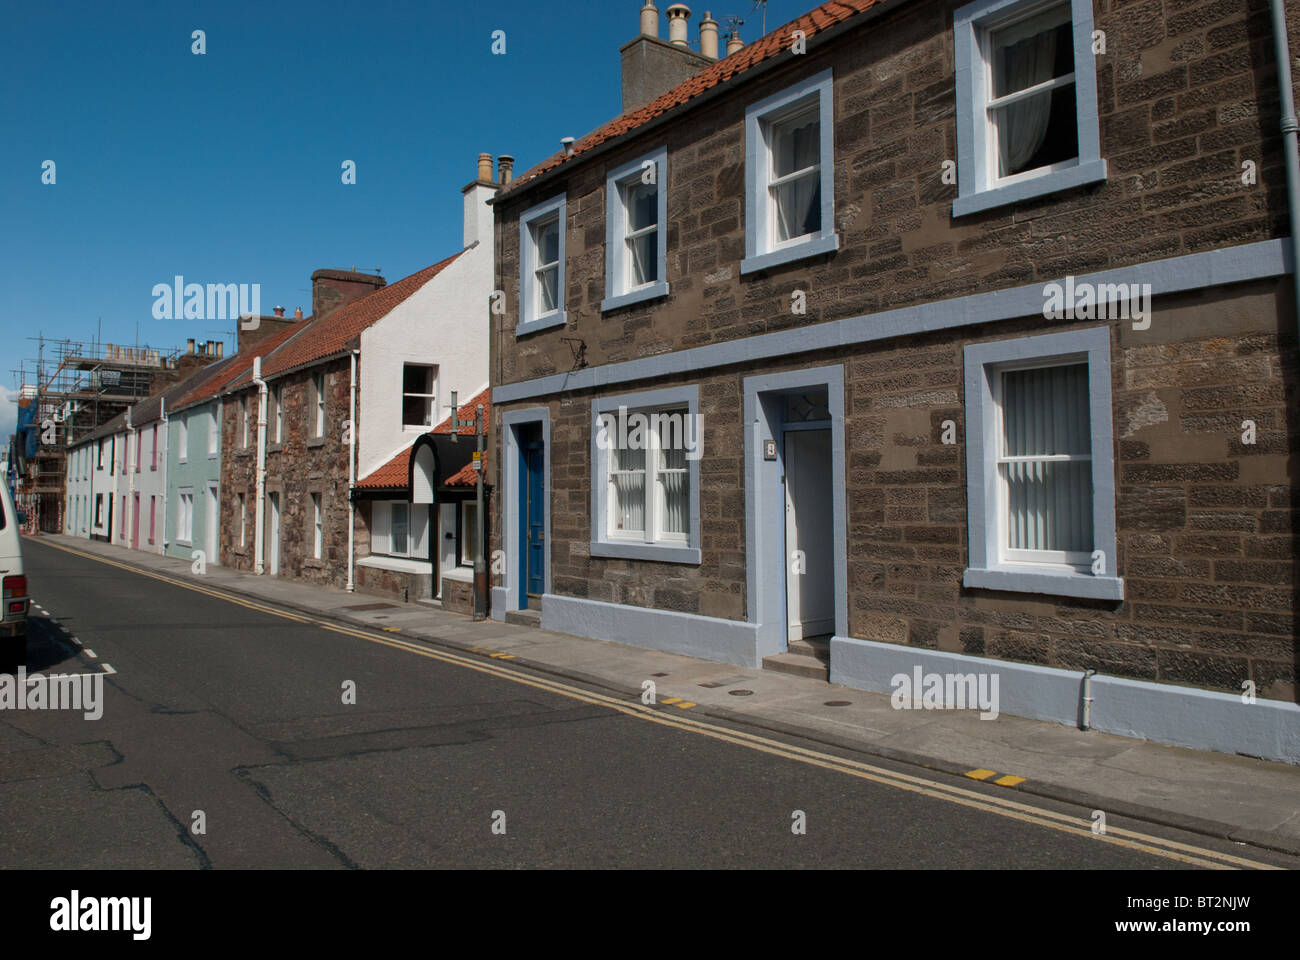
[(980, 774), (391, 629), (999, 805), (88, 652), (108, 668), (671, 700), (686, 705), (1009, 781)]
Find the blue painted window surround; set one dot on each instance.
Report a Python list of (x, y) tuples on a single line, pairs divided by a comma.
[(1018, 31)]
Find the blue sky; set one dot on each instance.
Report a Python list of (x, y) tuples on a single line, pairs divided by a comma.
[(225, 167)]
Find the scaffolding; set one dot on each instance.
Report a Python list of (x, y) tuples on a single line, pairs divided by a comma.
[(76, 386)]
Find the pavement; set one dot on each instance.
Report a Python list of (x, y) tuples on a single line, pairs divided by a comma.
[(1235, 798)]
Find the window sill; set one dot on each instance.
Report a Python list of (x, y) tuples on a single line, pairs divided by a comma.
[(1031, 579), (315, 442), (797, 251), (651, 292), (660, 553), (557, 319), (459, 574), (1093, 171), (274, 447), (400, 564)]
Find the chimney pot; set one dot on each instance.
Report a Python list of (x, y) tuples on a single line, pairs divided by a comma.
[(189, 345), (709, 36), (279, 311), (485, 167), (734, 42), (567, 144), (650, 20), (678, 29), (297, 313), (221, 345), (506, 166)]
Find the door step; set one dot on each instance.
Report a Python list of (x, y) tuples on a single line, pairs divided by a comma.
[(524, 618), (804, 658)]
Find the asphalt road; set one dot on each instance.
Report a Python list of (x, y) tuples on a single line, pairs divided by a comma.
[(240, 714)]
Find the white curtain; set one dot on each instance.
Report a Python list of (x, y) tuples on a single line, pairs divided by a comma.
[(672, 479), (1049, 503), (797, 146), (627, 477), (1022, 125)]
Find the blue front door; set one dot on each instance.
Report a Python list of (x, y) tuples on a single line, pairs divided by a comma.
[(534, 516)]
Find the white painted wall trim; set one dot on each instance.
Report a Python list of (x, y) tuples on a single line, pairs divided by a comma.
[(1215, 268)]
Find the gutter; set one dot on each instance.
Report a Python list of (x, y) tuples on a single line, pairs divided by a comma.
[(352, 469), (1290, 151), (814, 42), (260, 496)]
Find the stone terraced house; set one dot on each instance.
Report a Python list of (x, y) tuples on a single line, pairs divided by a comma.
[(932, 336)]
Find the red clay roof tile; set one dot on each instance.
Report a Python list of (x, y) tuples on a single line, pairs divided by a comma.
[(815, 21)]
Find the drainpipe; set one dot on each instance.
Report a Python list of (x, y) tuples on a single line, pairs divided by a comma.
[(260, 510), (1086, 698), (132, 512), (162, 417), (352, 467), (1290, 151)]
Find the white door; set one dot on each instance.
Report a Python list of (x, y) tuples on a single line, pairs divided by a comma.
[(809, 530), (273, 534), (211, 516)]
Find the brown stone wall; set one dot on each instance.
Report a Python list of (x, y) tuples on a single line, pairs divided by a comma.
[(295, 468), (1186, 94), (1204, 522)]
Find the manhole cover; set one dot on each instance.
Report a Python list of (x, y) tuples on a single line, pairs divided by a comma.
[(710, 685), (740, 693), (837, 703), (371, 606)]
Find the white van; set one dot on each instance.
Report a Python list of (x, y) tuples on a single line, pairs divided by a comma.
[(13, 621)]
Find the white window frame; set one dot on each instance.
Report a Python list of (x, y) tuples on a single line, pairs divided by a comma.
[(185, 516), (318, 414), (244, 406), (183, 438), (381, 537), (213, 432), (619, 291), (761, 249), (529, 321), (989, 568), (277, 399), (648, 545), (431, 397), (243, 520), (318, 520), (978, 185)]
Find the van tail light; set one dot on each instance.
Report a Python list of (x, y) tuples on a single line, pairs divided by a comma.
[(15, 594)]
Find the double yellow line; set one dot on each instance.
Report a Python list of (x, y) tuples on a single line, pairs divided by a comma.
[(999, 805)]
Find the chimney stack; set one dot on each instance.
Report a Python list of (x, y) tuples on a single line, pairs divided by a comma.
[(485, 167), (650, 20), (221, 348), (709, 36), (189, 345), (332, 289), (506, 168), (478, 216), (653, 66), (278, 311), (678, 29)]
